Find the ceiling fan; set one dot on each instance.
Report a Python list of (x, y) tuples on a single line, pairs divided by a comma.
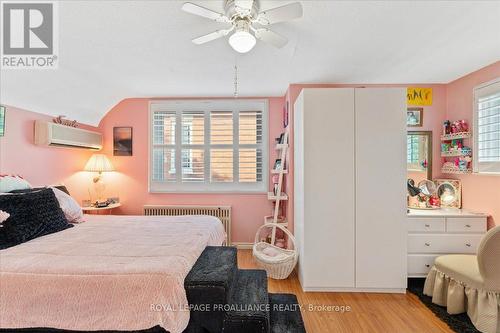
[(243, 15)]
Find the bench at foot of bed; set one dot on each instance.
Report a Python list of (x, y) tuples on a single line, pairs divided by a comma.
[(239, 300)]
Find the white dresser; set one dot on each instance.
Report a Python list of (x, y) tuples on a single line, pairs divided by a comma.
[(432, 233)]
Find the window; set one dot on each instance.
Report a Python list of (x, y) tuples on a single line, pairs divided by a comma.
[(487, 128), (199, 146)]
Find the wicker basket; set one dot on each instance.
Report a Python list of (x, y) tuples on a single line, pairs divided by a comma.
[(279, 266)]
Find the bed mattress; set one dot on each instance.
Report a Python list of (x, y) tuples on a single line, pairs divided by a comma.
[(110, 273)]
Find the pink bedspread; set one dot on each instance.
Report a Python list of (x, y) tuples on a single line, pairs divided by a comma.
[(110, 273)]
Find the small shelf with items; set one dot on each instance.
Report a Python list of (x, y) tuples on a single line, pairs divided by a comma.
[(452, 146), (456, 153), (456, 136), (455, 170)]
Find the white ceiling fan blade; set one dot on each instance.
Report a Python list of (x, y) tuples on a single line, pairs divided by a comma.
[(204, 12), (211, 36), (270, 37), (280, 14)]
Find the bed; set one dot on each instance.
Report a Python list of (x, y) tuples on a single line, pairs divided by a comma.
[(109, 273)]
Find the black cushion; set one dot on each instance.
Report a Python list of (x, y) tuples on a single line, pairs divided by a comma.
[(32, 215), (59, 187)]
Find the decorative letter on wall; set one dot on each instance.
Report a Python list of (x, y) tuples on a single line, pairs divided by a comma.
[(419, 96)]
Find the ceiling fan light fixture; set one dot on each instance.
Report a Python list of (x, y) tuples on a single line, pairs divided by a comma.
[(242, 41)]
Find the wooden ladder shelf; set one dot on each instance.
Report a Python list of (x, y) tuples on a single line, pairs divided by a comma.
[(278, 196)]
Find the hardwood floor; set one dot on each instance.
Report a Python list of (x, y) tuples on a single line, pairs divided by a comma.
[(386, 313)]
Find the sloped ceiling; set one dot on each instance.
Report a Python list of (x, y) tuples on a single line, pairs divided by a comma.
[(111, 50)]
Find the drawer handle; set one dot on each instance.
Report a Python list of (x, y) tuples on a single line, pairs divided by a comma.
[(468, 244), (427, 244), (427, 225), (467, 225), (427, 265)]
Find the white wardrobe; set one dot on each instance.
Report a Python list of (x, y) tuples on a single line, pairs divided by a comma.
[(350, 189)]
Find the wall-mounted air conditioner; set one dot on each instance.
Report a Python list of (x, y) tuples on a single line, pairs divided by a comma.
[(55, 135)]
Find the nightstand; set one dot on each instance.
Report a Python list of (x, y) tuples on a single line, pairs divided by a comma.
[(104, 210)]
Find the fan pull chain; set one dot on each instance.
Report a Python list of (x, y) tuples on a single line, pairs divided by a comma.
[(236, 80)]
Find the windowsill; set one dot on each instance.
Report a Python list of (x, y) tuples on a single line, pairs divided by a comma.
[(211, 192), (495, 174)]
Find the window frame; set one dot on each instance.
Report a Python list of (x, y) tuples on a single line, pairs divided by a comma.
[(484, 168), (227, 105)]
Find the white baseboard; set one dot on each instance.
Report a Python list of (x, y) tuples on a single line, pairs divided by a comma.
[(356, 290), (242, 245)]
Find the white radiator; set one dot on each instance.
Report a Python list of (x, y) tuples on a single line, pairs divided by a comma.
[(223, 213)]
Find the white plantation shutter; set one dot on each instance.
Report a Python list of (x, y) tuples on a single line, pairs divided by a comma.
[(487, 128), (221, 128), (221, 165), (250, 162), (193, 140), (164, 126), (199, 146)]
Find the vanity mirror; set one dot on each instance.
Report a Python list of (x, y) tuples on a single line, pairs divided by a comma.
[(449, 192), (427, 187), (419, 155)]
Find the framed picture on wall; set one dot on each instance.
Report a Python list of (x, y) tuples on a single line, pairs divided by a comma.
[(285, 115), (2, 120), (414, 117), (122, 141)]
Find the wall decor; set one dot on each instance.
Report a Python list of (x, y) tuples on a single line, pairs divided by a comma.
[(285, 114), (418, 96), (414, 117), (2, 120), (61, 121), (122, 141)]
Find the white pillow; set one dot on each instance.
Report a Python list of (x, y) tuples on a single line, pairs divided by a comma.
[(11, 182), (71, 209)]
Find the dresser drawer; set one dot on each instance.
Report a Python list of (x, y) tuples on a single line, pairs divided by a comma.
[(450, 243), (426, 224), (420, 264), (466, 224)]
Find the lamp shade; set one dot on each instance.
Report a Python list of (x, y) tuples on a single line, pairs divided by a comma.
[(99, 163)]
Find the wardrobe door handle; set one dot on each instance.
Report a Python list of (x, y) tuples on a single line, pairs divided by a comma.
[(468, 244), (427, 244), (427, 225), (467, 225), (427, 265)]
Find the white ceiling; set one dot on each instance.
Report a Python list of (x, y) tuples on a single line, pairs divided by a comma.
[(111, 50)]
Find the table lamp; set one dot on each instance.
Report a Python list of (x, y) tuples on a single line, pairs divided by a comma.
[(99, 163)]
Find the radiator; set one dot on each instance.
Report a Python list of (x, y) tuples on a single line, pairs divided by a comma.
[(223, 213)]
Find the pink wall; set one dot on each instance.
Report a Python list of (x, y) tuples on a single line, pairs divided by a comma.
[(130, 182), (479, 192), (41, 165), (433, 116)]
